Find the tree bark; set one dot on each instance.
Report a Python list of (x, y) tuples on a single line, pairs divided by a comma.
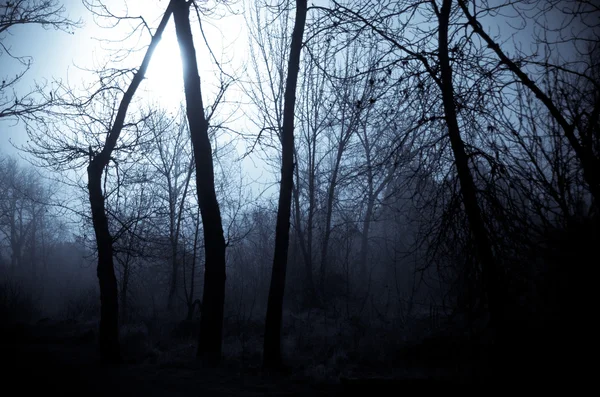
[(211, 323), (272, 342), (484, 253)]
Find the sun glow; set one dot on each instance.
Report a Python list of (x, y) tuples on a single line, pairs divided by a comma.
[(164, 81)]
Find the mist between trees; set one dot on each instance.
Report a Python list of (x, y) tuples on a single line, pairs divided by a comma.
[(429, 195)]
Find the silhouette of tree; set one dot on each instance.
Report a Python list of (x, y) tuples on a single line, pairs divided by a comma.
[(272, 341), (211, 326)]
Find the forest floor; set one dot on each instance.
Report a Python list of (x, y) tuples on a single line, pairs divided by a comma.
[(62, 357)]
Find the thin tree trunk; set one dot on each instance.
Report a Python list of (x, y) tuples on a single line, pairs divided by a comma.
[(309, 286), (211, 323), (109, 305), (124, 290), (272, 342), (372, 197), (14, 239), (490, 271), (311, 211), (345, 135), (364, 241), (33, 254), (329, 209), (173, 241), (189, 294), (175, 227), (173, 282), (190, 298)]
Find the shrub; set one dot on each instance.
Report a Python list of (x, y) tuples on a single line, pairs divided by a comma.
[(16, 305)]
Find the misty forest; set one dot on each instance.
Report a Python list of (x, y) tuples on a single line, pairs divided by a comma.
[(352, 196)]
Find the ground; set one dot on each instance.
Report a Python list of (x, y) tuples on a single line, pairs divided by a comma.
[(61, 358)]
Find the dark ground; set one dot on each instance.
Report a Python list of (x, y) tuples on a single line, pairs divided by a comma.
[(61, 358)]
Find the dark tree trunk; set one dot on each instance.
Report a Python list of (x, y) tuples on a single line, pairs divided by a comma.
[(311, 214), (364, 241), (126, 264), (173, 282), (109, 304), (15, 241), (345, 135), (272, 342), (32, 251), (211, 323), (175, 227), (484, 253), (309, 286), (330, 202), (191, 303)]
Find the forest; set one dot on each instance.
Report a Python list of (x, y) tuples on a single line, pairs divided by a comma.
[(371, 196)]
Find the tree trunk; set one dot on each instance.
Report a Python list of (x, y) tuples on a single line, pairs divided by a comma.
[(173, 282), (123, 295), (272, 342), (109, 305), (345, 135), (189, 297), (311, 214), (211, 324), (330, 202), (484, 254), (175, 227), (14, 239), (32, 252), (124, 289), (309, 286), (364, 241), (372, 194)]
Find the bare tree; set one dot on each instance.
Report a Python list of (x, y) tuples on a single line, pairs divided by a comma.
[(109, 329), (314, 115), (341, 130), (431, 70), (479, 232), (190, 300), (174, 166), (582, 13), (98, 121), (24, 203), (272, 341), (211, 326), (131, 212)]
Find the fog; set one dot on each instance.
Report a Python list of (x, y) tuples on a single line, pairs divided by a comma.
[(293, 198)]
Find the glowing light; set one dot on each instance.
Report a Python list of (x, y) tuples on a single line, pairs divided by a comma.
[(164, 78)]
